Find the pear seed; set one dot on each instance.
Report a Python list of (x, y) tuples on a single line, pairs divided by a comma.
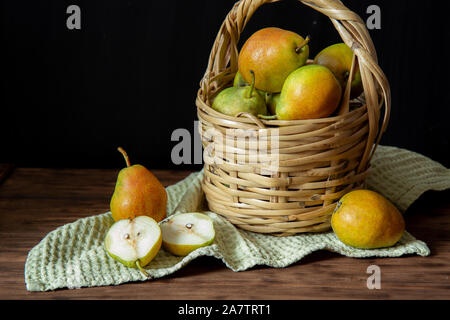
[(189, 225), (126, 236)]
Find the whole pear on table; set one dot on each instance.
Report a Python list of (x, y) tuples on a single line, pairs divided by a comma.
[(365, 219), (138, 193)]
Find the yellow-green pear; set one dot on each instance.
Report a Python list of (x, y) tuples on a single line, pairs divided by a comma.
[(234, 100), (310, 92), (240, 82)]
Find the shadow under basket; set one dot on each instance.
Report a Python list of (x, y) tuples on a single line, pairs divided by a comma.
[(284, 177)]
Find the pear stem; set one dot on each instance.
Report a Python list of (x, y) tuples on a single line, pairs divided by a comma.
[(127, 160), (274, 117), (304, 43), (252, 86), (138, 264)]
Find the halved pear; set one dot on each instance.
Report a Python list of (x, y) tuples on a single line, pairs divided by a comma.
[(183, 233), (134, 242)]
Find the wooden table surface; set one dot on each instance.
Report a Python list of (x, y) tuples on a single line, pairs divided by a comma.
[(34, 202)]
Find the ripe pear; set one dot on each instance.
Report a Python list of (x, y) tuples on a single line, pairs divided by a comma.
[(272, 53), (234, 100), (309, 92), (185, 232), (134, 242), (338, 58), (367, 220), (137, 193)]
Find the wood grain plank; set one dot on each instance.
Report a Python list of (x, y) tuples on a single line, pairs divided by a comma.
[(35, 201)]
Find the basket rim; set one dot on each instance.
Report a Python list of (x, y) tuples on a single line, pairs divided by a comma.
[(202, 106)]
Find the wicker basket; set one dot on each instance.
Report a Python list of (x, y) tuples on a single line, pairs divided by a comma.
[(307, 165)]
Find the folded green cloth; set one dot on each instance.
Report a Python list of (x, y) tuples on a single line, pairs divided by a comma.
[(72, 256)]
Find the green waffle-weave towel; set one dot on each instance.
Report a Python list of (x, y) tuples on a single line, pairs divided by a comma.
[(72, 256)]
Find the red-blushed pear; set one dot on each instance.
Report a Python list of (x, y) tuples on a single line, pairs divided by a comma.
[(272, 53), (137, 193), (338, 58)]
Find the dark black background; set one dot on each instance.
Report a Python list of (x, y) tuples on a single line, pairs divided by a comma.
[(130, 76)]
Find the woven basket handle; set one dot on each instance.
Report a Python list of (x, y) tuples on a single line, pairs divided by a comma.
[(353, 31)]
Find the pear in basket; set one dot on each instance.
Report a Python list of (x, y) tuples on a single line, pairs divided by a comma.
[(338, 58), (272, 103), (240, 82), (310, 92), (234, 100), (272, 53)]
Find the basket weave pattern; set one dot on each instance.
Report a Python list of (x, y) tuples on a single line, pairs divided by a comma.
[(317, 160)]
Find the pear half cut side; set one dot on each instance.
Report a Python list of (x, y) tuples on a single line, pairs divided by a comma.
[(183, 233), (134, 242)]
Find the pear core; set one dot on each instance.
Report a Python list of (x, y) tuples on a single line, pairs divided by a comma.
[(185, 232), (131, 240)]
